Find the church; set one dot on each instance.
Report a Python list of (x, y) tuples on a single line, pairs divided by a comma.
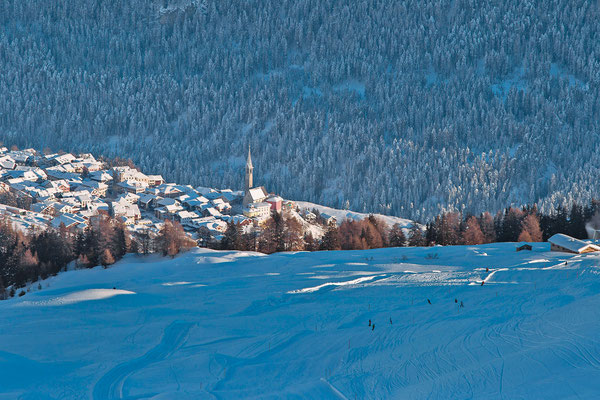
[(254, 197)]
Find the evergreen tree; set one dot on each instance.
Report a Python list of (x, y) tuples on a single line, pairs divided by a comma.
[(486, 224), (415, 237), (331, 239), (511, 226), (310, 243), (231, 238), (576, 223), (396, 236), (120, 241)]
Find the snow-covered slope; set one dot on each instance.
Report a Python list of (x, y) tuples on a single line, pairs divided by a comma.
[(341, 215), (233, 325)]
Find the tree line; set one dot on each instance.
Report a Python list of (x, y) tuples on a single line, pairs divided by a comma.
[(32, 255), (513, 224), (28, 256)]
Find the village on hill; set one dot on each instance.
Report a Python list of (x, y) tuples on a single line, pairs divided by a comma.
[(43, 191)]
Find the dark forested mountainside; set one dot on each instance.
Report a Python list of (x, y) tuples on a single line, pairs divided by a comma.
[(405, 107)]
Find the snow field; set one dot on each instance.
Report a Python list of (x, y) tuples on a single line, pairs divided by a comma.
[(232, 325)]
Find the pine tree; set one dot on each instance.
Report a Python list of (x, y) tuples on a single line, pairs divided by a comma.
[(511, 227), (576, 223), (3, 294), (231, 238), (120, 241), (415, 237), (107, 258), (310, 243), (331, 239), (396, 236), (486, 224)]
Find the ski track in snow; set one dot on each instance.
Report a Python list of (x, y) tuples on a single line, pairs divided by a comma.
[(110, 385), (344, 283), (76, 297), (334, 389)]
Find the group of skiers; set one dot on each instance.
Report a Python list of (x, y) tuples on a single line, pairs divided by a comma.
[(372, 324), (455, 301)]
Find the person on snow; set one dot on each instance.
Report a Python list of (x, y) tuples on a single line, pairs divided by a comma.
[(482, 282), (456, 300), (373, 328), (429, 301), (391, 321), (487, 269), (369, 322), (461, 304)]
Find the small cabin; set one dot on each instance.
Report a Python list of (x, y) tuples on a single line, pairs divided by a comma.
[(568, 244), (524, 247)]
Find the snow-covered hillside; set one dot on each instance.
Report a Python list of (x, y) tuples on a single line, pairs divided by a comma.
[(233, 325), (341, 215)]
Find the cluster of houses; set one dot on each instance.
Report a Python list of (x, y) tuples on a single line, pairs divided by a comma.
[(71, 190), (65, 190)]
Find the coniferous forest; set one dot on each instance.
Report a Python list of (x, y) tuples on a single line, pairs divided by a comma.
[(412, 108)]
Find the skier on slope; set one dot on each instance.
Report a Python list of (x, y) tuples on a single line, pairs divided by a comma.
[(369, 322), (373, 328), (461, 304), (429, 301), (391, 321)]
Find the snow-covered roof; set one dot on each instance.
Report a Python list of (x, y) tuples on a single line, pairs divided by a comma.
[(572, 244), (187, 214), (68, 220), (257, 194), (101, 176), (213, 211)]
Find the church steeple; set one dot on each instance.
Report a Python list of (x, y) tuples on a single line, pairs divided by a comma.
[(249, 169)]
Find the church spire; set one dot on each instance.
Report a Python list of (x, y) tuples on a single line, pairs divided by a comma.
[(249, 160), (249, 169)]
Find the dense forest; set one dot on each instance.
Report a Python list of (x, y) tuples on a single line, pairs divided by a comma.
[(411, 108)]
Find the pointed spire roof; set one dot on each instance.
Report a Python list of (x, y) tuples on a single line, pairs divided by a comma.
[(249, 160)]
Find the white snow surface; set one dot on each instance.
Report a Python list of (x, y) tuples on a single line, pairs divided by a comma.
[(341, 215), (76, 297), (240, 325)]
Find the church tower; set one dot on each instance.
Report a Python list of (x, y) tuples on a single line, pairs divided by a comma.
[(249, 169)]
